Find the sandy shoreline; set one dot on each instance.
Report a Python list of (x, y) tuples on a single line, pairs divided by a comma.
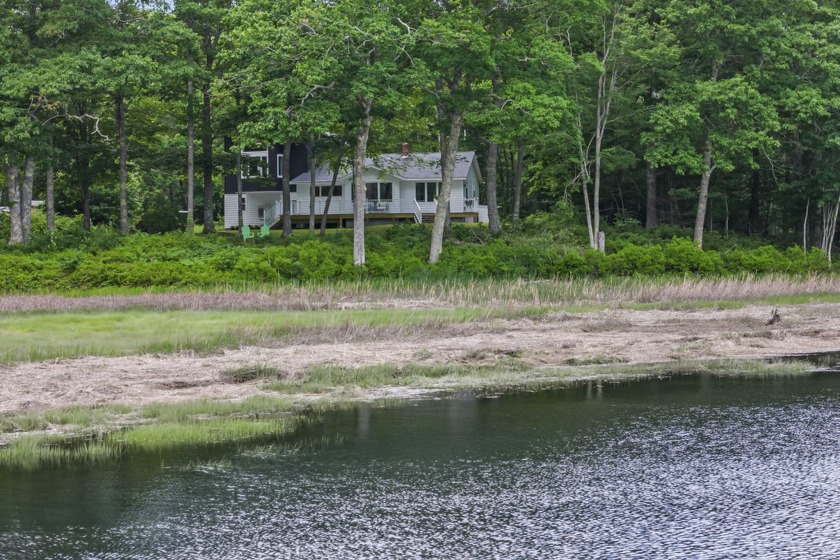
[(554, 340)]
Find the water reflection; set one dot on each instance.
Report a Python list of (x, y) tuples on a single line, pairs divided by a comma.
[(696, 467)]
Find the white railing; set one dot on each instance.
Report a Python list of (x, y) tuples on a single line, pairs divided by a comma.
[(272, 215), (418, 212)]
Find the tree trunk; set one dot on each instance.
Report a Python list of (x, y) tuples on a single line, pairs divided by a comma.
[(704, 194), (753, 225), (26, 197), (596, 183), (584, 185), (359, 186), (239, 221), (191, 161), (310, 146), (13, 188), (287, 195), (119, 114), (448, 153), (329, 198), (583, 158), (207, 159), (492, 204), (517, 179), (51, 198), (651, 218), (805, 228)]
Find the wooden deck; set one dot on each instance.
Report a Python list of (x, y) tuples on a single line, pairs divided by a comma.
[(371, 218)]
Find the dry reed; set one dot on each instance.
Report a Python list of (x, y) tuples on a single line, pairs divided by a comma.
[(408, 295)]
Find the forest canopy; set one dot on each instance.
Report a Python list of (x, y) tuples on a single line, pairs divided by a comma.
[(710, 114)]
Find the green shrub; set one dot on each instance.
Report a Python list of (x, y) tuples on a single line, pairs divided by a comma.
[(634, 260), (682, 256)]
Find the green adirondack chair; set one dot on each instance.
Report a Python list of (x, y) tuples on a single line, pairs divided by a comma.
[(247, 233), (264, 231)]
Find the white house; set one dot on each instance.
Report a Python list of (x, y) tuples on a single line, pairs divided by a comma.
[(399, 187)]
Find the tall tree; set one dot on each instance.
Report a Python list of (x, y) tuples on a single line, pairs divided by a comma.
[(456, 46), (714, 115), (206, 19)]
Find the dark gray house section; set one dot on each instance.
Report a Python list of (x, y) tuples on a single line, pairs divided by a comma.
[(298, 164)]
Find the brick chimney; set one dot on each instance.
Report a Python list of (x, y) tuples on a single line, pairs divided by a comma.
[(405, 149)]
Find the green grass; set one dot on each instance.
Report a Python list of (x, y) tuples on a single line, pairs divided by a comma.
[(511, 372), (40, 336), (98, 434), (79, 416)]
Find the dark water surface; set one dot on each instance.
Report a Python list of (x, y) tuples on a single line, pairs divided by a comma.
[(691, 467)]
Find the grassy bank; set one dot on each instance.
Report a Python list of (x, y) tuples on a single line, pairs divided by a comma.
[(85, 436), (111, 324), (402, 293), (43, 336)]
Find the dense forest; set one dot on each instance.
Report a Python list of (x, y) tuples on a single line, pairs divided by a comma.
[(709, 114)]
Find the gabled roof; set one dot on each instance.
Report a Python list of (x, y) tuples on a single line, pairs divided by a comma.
[(413, 167)]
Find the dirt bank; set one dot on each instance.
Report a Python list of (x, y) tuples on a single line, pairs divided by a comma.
[(553, 340)]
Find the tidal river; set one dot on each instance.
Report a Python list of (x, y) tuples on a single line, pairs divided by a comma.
[(690, 467)]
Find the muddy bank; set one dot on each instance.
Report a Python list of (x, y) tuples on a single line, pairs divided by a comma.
[(613, 335)]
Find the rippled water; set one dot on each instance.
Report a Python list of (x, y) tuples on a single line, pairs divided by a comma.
[(695, 467)]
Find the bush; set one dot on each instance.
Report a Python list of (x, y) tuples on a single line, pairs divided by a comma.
[(682, 256), (633, 260)]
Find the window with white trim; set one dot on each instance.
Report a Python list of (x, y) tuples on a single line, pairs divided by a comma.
[(323, 191), (426, 192), (279, 166), (255, 164), (380, 192)]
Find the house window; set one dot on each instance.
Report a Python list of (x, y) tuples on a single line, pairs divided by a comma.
[(323, 191), (260, 213), (426, 192), (386, 192), (279, 166), (254, 164), (242, 204), (380, 192)]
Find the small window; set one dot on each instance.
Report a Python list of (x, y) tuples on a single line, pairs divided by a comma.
[(260, 213), (380, 192), (386, 192), (242, 204), (323, 191), (426, 192), (254, 164), (279, 166), (370, 192)]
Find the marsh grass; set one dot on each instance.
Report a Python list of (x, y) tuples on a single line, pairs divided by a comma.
[(39, 336), (399, 293), (78, 416), (513, 374), (244, 374), (258, 406), (154, 429), (268, 420)]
